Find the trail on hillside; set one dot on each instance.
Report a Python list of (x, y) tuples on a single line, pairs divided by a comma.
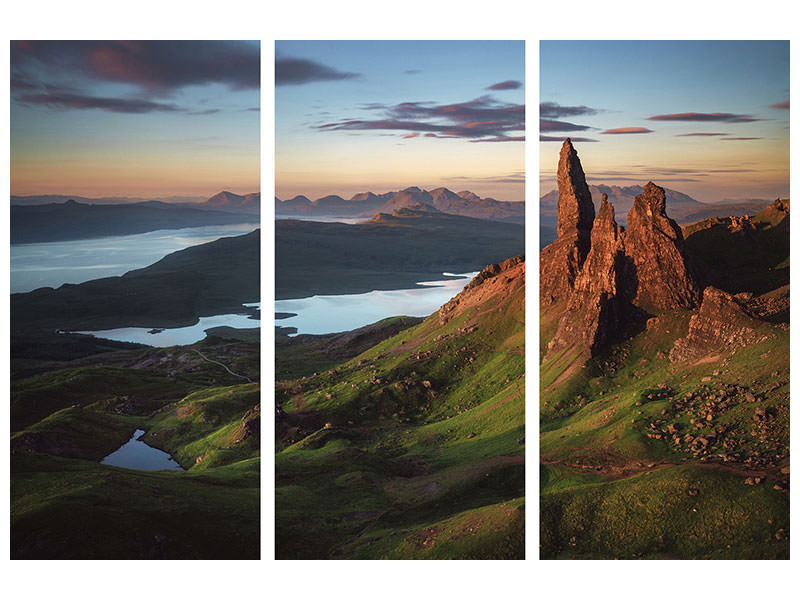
[(216, 362)]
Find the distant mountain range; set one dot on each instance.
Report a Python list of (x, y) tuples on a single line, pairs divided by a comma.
[(226, 201), (72, 220), (235, 202), (681, 207), (367, 204)]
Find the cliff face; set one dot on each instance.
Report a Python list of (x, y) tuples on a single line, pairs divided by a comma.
[(594, 308), (561, 261), (721, 325), (655, 245), (575, 208), (494, 281), (605, 275)]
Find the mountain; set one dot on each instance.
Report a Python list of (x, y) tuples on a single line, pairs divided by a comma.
[(201, 280), (389, 251), (228, 201), (72, 220), (680, 207), (414, 447), (60, 198), (663, 380), (366, 204)]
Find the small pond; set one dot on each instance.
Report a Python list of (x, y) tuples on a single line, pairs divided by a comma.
[(137, 455)]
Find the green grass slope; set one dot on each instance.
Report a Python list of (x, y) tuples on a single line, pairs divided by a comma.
[(64, 504), (643, 457), (415, 447)]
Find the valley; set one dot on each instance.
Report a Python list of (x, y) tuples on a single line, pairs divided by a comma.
[(190, 414), (387, 252), (400, 396)]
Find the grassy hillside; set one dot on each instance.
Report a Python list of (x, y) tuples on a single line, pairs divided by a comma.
[(415, 447), (388, 252), (747, 261), (647, 457), (66, 418)]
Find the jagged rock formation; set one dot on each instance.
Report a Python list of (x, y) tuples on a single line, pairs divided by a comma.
[(606, 275), (720, 326), (500, 280), (250, 425), (655, 244), (766, 306), (561, 261), (742, 225), (575, 208), (594, 309)]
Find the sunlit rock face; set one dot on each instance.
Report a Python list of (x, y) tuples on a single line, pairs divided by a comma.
[(654, 243), (560, 262)]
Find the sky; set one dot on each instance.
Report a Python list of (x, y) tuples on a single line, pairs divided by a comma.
[(382, 116), (142, 119), (710, 119)]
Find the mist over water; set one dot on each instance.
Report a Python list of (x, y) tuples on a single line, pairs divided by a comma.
[(53, 264), (322, 219), (331, 314)]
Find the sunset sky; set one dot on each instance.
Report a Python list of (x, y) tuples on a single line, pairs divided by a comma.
[(146, 119), (381, 116), (710, 119)]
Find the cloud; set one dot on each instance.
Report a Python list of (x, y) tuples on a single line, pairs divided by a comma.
[(549, 125), (623, 130), (699, 134), (296, 71), (483, 117), (781, 105), (739, 139), (210, 111), (412, 71), (77, 101), (551, 138), (518, 138), (704, 117), (515, 177), (410, 135), (553, 110), (157, 67), (510, 84)]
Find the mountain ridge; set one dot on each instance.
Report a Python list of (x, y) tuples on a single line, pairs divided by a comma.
[(366, 204)]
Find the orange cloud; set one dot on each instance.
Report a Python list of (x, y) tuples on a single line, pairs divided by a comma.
[(628, 130)]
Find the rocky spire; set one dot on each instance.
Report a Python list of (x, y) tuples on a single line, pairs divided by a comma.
[(654, 243), (598, 274), (575, 208), (594, 310), (560, 262)]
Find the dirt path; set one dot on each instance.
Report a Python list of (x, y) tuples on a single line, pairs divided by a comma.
[(621, 471), (216, 362)]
